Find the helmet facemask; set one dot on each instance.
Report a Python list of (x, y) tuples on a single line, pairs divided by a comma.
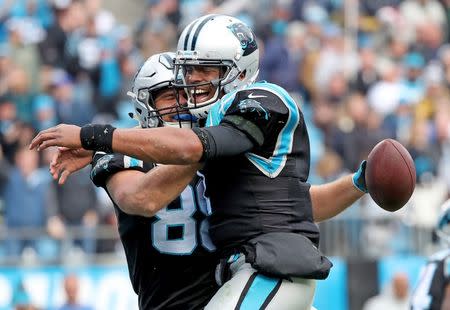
[(200, 95), (216, 41), (149, 116), (154, 96)]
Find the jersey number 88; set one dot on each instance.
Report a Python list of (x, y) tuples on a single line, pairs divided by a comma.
[(191, 199)]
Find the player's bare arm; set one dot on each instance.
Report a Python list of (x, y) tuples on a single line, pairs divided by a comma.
[(144, 194), (159, 145), (330, 199)]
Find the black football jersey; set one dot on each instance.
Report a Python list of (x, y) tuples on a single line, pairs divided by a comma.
[(434, 278), (266, 189), (170, 256)]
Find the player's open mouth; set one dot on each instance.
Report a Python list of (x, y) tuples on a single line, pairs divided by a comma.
[(200, 95)]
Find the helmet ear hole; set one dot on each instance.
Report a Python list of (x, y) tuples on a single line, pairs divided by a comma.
[(242, 75), (223, 71)]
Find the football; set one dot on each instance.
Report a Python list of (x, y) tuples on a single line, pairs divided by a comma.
[(390, 175)]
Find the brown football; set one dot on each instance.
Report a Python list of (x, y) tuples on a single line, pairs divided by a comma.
[(390, 175)]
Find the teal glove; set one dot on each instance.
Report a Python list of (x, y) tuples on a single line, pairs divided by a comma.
[(359, 178)]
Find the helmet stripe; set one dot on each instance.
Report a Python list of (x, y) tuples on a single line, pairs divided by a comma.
[(186, 38), (197, 31)]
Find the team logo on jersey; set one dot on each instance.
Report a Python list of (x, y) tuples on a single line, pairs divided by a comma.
[(245, 36), (102, 164), (253, 106), (104, 161)]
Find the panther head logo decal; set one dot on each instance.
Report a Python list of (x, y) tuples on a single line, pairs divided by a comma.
[(245, 36)]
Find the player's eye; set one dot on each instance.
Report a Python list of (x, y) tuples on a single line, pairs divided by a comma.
[(209, 69), (189, 70)]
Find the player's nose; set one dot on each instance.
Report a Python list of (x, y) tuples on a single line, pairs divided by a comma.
[(181, 98), (194, 76)]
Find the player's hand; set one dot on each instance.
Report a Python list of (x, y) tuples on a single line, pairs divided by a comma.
[(60, 135), (359, 178), (67, 161)]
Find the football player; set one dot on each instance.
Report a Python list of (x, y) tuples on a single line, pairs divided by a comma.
[(433, 289), (256, 153), (169, 253)]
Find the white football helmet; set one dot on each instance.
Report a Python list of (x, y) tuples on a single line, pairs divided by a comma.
[(443, 225), (222, 41), (155, 75)]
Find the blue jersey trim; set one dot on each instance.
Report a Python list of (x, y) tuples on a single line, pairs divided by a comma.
[(258, 292), (219, 109), (272, 166)]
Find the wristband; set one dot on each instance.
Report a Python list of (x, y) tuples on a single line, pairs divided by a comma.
[(97, 137), (203, 136)]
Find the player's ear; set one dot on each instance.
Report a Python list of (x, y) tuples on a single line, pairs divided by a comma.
[(242, 75)]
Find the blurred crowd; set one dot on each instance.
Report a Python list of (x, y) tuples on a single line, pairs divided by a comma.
[(70, 284), (362, 70)]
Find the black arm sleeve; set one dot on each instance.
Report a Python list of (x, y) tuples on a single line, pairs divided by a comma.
[(106, 165), (222, 141)]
